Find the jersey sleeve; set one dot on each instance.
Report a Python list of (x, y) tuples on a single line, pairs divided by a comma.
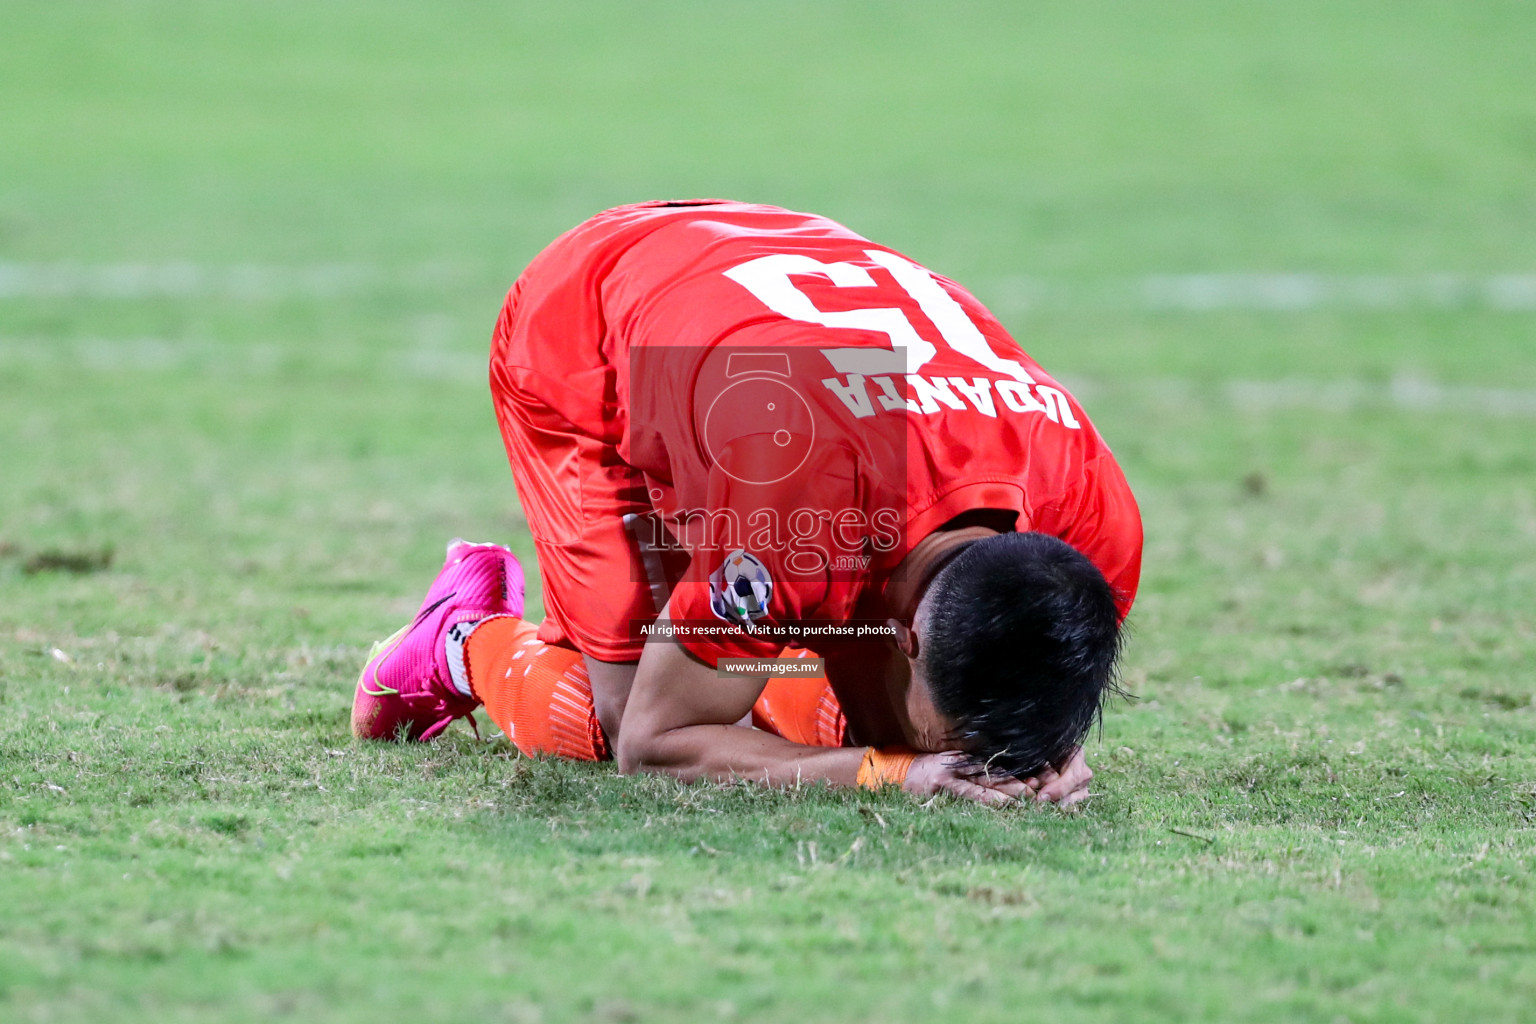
[(774, 563), (1106, 527)]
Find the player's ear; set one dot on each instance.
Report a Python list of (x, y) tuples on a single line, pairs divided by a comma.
[(906, 637)]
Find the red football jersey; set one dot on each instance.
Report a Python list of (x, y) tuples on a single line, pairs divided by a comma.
[(806, 405)]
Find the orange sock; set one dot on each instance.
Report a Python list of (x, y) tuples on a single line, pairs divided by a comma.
[(541, 698), (802, 710), (537, 694)]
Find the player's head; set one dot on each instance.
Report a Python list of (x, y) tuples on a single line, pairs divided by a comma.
[(1018, 640)]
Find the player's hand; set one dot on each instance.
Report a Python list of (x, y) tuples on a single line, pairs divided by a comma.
[(1066, 784), (948, 773)]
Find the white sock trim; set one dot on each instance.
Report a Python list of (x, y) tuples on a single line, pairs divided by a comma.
[(455, 644)]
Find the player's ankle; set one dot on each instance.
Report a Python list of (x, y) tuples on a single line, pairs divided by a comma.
[(456, 647)]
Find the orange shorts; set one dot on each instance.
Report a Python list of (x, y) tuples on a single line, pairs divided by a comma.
[(554, 383)]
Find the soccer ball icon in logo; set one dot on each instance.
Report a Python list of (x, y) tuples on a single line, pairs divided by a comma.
[(740, 589), (758, 428)]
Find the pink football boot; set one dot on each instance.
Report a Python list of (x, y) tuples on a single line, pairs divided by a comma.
[(407, 689)]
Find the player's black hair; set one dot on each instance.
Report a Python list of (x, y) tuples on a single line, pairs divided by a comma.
[(1019, 646)]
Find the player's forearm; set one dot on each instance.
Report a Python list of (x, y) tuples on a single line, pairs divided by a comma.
[(724, 752), (676, 723)]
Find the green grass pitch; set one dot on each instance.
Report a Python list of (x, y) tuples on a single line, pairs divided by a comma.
[(250, 256)]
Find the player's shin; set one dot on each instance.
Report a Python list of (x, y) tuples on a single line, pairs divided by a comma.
[(539, 695)]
